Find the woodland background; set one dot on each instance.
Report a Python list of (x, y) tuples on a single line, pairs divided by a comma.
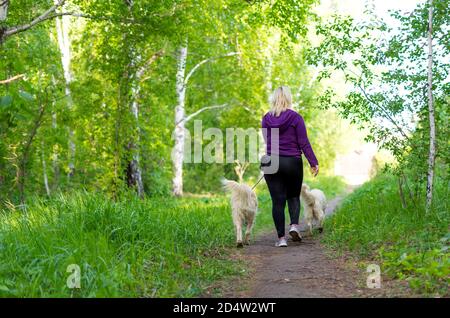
[(95, 96)]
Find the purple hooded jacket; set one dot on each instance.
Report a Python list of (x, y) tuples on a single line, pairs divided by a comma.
[(293, 139)]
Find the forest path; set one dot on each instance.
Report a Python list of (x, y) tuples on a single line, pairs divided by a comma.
[(303, 269)]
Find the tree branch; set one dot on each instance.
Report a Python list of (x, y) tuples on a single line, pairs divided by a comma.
[(201, 110), (43, 17), (51, 14), (386, 113), (150, 61), (11, 79), (186, 80)]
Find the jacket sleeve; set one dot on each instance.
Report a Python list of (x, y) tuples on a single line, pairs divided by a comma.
[(303, 142)]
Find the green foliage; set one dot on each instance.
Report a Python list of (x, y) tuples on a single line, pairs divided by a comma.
[(387, 71), (107, 49), (292, 16), (408, 243), (427, 272)]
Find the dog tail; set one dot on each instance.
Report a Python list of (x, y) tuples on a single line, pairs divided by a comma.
[(241, 193), (230, 185)]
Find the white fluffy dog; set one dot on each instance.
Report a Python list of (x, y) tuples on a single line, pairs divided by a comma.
[(244, 205), (314, 203)]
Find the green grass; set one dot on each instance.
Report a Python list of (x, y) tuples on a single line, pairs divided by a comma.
[(407, 243), (158, 247)]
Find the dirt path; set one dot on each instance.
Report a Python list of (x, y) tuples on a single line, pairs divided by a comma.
[(300, 270)]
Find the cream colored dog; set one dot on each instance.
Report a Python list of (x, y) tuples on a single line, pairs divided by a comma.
[(314, 203), (244, 205)]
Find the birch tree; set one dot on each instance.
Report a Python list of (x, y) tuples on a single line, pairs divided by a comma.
[(398, 104), (134, 168), (182, 80), (134, 172), (179, 131), (48, 14), (432, 151), (44, 170), (62, 30), (55, 155), (4, 4)]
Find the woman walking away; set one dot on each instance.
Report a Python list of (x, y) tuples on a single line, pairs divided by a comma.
[(285, 184)]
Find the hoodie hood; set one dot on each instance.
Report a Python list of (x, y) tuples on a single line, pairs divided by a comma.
[(284, 121)]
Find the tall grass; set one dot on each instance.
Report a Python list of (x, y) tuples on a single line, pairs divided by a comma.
[(157, 247), (147, 248), (408, 243)]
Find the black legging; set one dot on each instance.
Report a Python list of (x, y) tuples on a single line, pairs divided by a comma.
[(285, 185)]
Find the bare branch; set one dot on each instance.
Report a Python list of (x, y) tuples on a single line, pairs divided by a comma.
[(371, 101), (51, 14), (150, 61), (11, 79), (186, 80), (201, 110), (43, 17), (385, 112)]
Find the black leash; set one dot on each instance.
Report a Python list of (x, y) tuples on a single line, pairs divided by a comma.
[(265, 162), (258, 182)]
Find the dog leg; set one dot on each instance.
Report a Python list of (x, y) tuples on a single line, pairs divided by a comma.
[(237, 221), (309, 223), (248, 231), (321, 218), (319, 215), (309, 216), (238, 226)]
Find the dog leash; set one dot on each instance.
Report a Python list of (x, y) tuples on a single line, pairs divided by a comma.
[(258, 182)]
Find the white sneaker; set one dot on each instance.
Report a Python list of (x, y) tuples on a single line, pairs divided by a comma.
[(281, 242), (294, 232)]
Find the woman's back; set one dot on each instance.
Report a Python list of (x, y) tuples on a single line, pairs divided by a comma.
[(292, 136), (285, 183)]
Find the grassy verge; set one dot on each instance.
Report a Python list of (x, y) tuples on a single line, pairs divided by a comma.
[(407, 243), (157, 247)]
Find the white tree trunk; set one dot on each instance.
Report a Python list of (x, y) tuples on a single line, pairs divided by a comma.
[(179, 134), (432, 151), (182, 80), (44, 169), (55, 159), (136, 172), (62, 30), (3, 9)]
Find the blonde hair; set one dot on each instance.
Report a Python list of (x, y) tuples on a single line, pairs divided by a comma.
[(281, 100)]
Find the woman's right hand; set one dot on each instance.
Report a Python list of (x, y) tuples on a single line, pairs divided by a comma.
[(315, 170)]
